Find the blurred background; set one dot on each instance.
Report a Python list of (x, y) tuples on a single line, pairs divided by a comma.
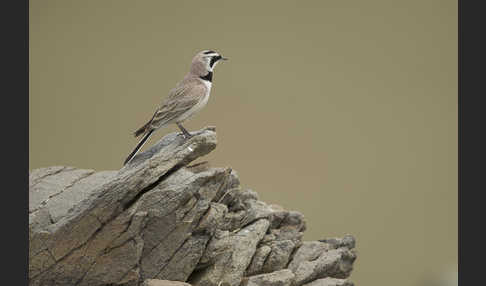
[(343, 110)]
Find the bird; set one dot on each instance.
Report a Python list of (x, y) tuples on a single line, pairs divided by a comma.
[(189, 96)]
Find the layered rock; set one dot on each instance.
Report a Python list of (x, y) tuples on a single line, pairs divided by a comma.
[(159, 219)]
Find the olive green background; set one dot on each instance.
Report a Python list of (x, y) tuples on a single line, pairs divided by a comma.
[(343, 110)]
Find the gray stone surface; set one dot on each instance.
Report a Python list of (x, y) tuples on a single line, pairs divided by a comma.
[(47, 183), (157, 282), (160, 220), (335, 263), (258, 260), (330, 282), (347, 241), (230, 254), (277, 278)]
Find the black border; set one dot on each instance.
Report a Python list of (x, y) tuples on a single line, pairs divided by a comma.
[(15, 148), (472, 143)]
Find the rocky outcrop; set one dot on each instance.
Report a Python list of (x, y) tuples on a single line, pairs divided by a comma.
[(160, 220)]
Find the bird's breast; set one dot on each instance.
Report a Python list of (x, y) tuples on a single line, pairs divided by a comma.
[(205, 99), (200, 105)]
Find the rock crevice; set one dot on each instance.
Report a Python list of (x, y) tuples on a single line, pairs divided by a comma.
[(159, 220)]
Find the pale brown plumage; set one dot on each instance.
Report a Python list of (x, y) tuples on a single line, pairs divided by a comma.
[(187, 98), (187, 94)]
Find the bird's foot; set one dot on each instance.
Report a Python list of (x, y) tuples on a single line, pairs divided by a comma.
[(185, 135)]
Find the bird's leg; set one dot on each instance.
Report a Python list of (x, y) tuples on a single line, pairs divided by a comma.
[(184, 131)]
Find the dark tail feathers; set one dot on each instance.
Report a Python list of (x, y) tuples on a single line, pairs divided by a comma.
[(141, 130), (139, 145)]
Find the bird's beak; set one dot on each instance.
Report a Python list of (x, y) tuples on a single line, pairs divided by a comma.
[(224, 59)]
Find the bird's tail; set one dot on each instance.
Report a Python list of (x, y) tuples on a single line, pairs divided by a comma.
[(142, 129), (139, 146)]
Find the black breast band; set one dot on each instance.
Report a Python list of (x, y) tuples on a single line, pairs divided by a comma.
[(208, 77)]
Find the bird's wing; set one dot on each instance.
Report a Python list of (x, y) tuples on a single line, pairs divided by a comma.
[(180, 100)]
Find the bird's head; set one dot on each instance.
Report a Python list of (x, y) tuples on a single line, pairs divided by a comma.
[(205, 61)]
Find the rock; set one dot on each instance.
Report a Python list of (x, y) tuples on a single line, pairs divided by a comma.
[(336, 242), (131, 278), (156, 282), (173, 234), (279, 255), (277, 278), (159, 220), (230, 254), (336, 263), (330, 282), (47, 183), (83, 235), (282, 238), (309, 251), (258, 260)]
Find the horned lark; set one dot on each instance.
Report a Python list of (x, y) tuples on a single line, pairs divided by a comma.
[(186, 99)]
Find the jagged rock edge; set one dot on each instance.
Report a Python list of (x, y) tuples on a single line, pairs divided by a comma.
[(133, 201)]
